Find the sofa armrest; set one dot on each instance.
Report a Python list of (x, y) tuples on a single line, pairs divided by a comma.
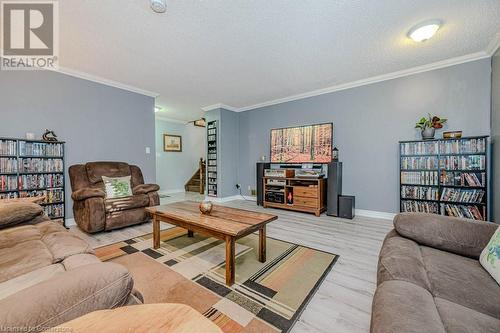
[(66, 296), (86, 193), (460, 236), (145, 188)]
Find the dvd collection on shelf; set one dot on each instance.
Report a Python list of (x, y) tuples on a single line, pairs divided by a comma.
[(420, 192), (8, 165), (8, 147), (40, 181), (40, 149), (419, 178), (212, 158), (419, 162), (465, 179), (40, 165), (445, 176), (31, 168)]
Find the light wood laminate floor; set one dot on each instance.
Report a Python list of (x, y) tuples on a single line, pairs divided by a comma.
[(343, 301)]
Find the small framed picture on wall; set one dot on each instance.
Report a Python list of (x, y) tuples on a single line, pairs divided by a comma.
[(172, 143)]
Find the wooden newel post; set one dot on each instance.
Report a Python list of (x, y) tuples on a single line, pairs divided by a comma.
[(202, 176)]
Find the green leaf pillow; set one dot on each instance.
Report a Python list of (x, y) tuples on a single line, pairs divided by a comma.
[(490, 257), (117, 187)]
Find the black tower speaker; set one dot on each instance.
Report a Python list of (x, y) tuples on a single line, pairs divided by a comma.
[(261, 166), (334, 188), (346, 206)]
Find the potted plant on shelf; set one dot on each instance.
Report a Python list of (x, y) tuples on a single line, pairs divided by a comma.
[(429, 125)]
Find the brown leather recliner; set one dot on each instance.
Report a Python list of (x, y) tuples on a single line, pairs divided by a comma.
[(93, 212)]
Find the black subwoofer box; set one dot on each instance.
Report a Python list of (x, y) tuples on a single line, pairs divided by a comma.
[(346, 206)]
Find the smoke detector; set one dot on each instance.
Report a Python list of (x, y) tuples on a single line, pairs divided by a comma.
[(159, 6)]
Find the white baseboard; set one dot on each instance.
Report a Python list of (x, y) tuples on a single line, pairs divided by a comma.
[(375, 214), (361, 212), (70, 222), (167, 192), (225, 199)]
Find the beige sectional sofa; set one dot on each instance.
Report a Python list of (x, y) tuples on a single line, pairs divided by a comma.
[(430, 279), (49, 276)]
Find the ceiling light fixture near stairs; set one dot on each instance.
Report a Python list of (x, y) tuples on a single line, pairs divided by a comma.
[(158, 6), (425, 30)]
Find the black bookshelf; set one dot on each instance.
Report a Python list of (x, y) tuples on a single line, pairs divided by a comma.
[(445, 176), (212, 175), (30, 168)]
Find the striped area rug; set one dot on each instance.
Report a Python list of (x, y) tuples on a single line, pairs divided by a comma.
[(266, 297)]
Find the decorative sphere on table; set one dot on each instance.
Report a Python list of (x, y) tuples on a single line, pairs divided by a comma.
[(206, 207)]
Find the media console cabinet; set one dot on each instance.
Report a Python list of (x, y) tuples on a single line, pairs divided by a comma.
[(299, 194)]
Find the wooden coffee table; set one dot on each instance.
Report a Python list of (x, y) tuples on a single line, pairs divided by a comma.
[(228, 224)]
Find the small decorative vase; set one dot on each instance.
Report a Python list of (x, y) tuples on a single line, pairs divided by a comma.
[(206, 207), (428, 133)]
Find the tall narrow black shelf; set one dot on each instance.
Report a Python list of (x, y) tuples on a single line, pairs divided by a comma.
[(445, 176), (212, 175), (30, 168)]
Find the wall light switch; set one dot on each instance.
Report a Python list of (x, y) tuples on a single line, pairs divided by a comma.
[(148, 150)]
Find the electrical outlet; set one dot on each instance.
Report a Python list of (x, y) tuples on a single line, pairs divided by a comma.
[(238, 186)]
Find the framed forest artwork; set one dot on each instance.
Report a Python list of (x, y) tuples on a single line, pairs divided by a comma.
[(172, 143), (303, 144)]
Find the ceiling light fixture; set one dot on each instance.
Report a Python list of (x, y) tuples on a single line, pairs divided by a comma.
[(157, 109), (425, 30), (158, 6)]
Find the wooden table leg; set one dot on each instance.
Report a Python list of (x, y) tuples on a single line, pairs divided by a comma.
[(190, 233), (156, 232), (262, 244), (230, 258)]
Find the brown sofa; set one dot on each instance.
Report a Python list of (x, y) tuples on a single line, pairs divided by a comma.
[(49, 276), (430, 279), (93, 212)]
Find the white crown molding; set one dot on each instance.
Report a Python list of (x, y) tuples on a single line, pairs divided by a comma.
[(374, 79), (219, 106), (177, 121), (493, 45), (111, 83)]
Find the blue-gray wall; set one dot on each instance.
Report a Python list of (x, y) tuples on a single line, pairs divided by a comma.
[(370, 120), (228, 161), (174, 169), (495, 133), (98, 122)]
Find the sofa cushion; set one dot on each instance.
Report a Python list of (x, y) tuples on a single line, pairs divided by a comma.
[(400, 306), (29, 279), (400, 259), (461, 280), (95, 170), (457, 318), (18, 212), (121, 204), (27, 248), (23, 258), (68, 295)]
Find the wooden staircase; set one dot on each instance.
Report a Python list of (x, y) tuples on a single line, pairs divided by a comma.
[(197, 182)]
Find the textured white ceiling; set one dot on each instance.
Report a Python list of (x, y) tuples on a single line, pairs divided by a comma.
[(246, 52)]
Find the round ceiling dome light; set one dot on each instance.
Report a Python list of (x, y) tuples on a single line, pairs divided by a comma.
[(159, 6), (425, 30)]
